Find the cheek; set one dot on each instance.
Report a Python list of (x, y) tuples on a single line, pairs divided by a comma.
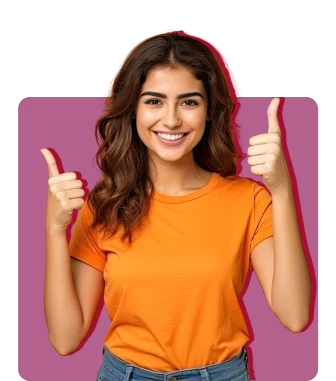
[(196, 121), (145, 119), (145, 115)]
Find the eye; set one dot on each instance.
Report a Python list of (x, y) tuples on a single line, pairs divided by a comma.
[(194, 102), (152, 100)]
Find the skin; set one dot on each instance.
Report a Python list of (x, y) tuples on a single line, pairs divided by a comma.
[(73, 289), (173, 169), (279, 261)]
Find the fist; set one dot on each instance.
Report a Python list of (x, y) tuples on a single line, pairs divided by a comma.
[(64, 196), (266, 156)]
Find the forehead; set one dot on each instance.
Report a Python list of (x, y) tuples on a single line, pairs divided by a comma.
[(168, 80)]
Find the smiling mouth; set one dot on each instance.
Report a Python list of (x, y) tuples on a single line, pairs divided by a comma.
[(177, 136)]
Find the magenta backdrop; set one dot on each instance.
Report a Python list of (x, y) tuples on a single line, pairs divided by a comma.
[(66, 124)]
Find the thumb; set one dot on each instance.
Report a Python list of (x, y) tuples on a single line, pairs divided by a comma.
[(272, 111), (51, 162)]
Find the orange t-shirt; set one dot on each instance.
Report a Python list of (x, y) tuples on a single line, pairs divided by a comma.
[(173, 296)]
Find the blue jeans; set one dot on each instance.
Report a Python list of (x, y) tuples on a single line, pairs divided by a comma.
[(115, 369)]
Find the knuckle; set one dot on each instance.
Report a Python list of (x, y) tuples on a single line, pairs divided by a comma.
[(269, 166), (70, 176), (64, 203), (51, 180), (60, 194), (276, 137), (79, 203)]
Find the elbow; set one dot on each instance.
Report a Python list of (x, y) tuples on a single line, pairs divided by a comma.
[(294, 321), (64, 351), (297, 326), (61, 349)]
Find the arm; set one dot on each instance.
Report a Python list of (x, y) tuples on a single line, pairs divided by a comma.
[(71, 295), (281, 268), (280, 262), (72, 289)]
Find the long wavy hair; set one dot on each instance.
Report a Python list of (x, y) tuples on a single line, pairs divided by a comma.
[(122, 198)]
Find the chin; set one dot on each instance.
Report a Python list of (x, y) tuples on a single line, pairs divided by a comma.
[(169, 156)]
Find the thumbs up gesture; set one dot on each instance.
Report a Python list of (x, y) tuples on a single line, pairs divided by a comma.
[(266, 156), (64, 196)]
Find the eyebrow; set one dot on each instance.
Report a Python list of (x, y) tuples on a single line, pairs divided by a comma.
[(160, 95)]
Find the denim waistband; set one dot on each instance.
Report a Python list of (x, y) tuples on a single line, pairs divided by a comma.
[(113, 368)]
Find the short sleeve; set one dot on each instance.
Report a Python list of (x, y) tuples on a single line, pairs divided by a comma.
[(85, 245), (262, 215)]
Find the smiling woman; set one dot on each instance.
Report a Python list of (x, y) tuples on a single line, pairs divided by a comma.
[(168, 137), (169, 85), (167, 233), (175, 120)]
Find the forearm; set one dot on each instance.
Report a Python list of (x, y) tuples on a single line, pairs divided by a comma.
[(62, 308), (291, 286)]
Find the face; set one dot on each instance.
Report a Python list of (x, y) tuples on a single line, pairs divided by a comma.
[(172, 112)]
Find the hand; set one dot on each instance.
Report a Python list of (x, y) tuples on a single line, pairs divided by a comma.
[(65, 195), (266, 156)]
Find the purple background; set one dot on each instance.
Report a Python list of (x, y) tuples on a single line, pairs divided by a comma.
[(66, 127)]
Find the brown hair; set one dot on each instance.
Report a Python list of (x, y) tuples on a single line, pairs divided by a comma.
[(121, 197)]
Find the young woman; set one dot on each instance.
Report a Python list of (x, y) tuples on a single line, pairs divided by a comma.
[(169, 233)]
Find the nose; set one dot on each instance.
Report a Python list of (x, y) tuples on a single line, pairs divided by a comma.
[(171, 117)]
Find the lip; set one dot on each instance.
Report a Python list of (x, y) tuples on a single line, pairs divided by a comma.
[(171, 143), (172, 133)]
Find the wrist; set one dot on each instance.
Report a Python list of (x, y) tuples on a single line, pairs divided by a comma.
[(283, 192), (285, 195), (55, 231)]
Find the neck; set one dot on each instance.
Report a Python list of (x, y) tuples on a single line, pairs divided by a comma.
[(177, 177)]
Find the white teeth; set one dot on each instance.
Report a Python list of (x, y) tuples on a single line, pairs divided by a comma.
[(170, 137)]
